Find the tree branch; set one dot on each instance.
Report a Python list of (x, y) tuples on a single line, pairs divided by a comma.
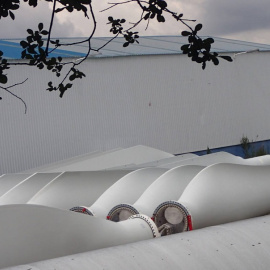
[(50, 28), (8, 91), (116, 4)]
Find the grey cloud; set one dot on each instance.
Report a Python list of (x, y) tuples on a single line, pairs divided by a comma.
[(234, 16), (28, 17), (237, 19)]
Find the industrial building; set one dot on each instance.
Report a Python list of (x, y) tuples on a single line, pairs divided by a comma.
[(148, 93), (79, 190)]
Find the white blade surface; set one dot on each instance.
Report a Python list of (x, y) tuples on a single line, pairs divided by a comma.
[(242, 245), (224, 193), (128, 189), (31, 233), (169, 186), (8, 181), (26, 189), (76, 188)]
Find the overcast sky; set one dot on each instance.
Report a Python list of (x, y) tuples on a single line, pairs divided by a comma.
[(235, 19)]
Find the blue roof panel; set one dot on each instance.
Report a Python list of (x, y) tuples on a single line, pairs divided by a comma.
[(12, 50), (148, 45)]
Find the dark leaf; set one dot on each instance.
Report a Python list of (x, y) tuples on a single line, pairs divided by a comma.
[(185, 48), (40, 65), (30, 31), (15, 6), (41, 51), (3, 79), (153, 15), (32, 3), (84, 2), (228, 58), (28, 56), (69, 8), (146, 16), (44, 32), (40, 43), (29, 39), (162, 4), (24, 44), (209, 40), (23, 54), (32, 62), (195, 58), (207, 47), (59, 10), (11, 14), (52, 61), (191, 39), (185, 33), (160, 18), (180, 16), (198, 27), (40, 26), (31, 49), (203, 65), (72, 77), (4, 61), (215, 61)]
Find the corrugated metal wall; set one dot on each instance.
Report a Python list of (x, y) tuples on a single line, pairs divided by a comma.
[(166, 102)]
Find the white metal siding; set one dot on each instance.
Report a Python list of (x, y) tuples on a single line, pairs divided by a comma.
[(162, 101)]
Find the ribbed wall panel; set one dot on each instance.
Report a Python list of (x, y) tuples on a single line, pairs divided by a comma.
[(166, 102)]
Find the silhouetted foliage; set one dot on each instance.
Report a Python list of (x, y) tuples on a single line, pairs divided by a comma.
[(249, 148), (245, 144), (36, 48), (208, 151)]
